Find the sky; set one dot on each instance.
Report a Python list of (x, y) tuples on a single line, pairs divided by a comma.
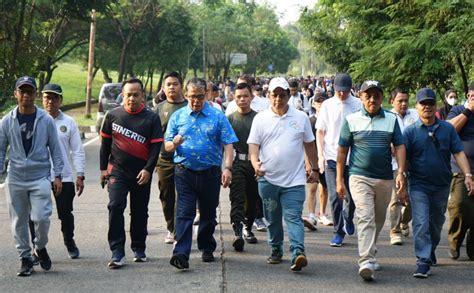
[(288, 10)]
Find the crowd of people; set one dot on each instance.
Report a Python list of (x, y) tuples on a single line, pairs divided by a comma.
[(275, 143)]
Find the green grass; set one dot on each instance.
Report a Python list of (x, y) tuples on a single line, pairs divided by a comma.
[(73, 80)]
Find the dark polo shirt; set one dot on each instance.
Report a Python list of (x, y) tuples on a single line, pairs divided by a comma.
[(429, 154), (467, 137)]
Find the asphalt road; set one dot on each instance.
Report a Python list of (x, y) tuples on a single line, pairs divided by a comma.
[(329, 270)]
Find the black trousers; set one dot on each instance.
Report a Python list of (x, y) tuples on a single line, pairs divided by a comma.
[(64, 206), (243, 193), (139, 198), (165, 170)]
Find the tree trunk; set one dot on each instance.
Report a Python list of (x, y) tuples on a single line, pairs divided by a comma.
[(107, 77), (195, 72), (160, 83), (18, 37), (123, 54), (463, 74)]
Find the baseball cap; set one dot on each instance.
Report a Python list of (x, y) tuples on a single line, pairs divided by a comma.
[(371, 84), (278, 82), (425, 94), (25, 80), (471, 86), (53, 88), (342, 82)]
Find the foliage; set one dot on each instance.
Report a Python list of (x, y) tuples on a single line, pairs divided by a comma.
[(408, 43)]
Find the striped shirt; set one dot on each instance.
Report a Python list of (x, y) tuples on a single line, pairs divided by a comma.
[(369, 139)]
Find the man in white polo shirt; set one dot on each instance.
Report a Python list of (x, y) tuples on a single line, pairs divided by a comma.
[(328, 127), (278, 140)]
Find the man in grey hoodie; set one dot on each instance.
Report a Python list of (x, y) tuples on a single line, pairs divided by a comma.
[(32, 137)]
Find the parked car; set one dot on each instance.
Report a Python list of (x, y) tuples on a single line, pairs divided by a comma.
[(108, 99)]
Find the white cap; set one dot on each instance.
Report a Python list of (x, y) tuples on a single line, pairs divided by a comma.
[(278, 82)]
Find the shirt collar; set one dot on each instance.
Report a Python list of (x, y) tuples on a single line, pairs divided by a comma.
[(420, 124), (205, 110), (290, 112), (381, 112)]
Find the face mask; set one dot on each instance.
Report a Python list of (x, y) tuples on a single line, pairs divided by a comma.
[(452, 101)]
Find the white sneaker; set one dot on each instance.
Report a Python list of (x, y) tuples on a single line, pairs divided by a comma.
[(310, 223), (366, 272), (377, 266), (396, 240), (169, 239), (406, 231), (323, 219)]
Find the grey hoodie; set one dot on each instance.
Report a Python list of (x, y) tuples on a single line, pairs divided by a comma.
[(45, 142)]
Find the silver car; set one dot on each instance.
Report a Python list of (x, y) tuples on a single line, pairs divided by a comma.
[(109, 98)]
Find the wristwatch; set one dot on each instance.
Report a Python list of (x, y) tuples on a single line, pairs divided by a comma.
[(403, 173), (228, 168), (81, 177), (468, 175), (60, 177), (315, 169)]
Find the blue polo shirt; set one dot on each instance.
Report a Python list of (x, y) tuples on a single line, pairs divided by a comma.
[(205, 133), (429, 149), (466, 134), (369, 139)]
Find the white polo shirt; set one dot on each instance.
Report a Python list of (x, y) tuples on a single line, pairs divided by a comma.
[(72, 150), (281, 145), (330, 118), (410, 117)]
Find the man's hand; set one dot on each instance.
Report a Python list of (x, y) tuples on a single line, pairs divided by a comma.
[(57, 186), (178, 140), (313, 177), (321, 163), (470, 105), (341, 190), (79, 185), (400, 185), (226, 178), (103, 178), (259, 170), (469, 185), (143, 177)]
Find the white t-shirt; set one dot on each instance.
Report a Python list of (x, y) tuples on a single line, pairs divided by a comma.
[(330, 118), (410, 117), (281, 145), (258, 104)]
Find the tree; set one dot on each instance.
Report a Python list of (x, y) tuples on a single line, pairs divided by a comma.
[(410, 43)]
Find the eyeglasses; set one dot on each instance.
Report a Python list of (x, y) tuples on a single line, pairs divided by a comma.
[(197, 97), (433, 139), (51, 98), (428, 103), (26, 92)]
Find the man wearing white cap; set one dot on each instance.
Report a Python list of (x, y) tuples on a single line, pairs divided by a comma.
[(277, 139)]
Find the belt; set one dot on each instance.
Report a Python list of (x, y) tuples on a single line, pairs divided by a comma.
[(243, 157), (183, 167)]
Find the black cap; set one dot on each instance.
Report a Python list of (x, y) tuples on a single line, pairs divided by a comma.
[(425, 94), (342, 82), (371, 84), (53, 88), (25, 80)]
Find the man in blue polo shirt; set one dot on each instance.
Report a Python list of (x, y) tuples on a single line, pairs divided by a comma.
[(198, 133), (430, 143), (369, 134)]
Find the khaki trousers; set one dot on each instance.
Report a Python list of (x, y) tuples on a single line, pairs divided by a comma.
[(371, 197)]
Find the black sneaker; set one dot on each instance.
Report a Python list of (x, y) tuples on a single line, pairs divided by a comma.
[(299, 262), (26, 267), (72, 250), (140, 256), (44, 260), (470, 244), (208, 256), (117, 261), (249, 236), (276, 256), (34, 259), (179, 261), (422, 271)]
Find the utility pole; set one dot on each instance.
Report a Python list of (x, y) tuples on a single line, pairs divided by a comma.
[(90, 66), (204, 69)]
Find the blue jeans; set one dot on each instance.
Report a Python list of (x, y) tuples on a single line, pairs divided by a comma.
[(203, 187), (428, 209), (339, 214), (284, 202)]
